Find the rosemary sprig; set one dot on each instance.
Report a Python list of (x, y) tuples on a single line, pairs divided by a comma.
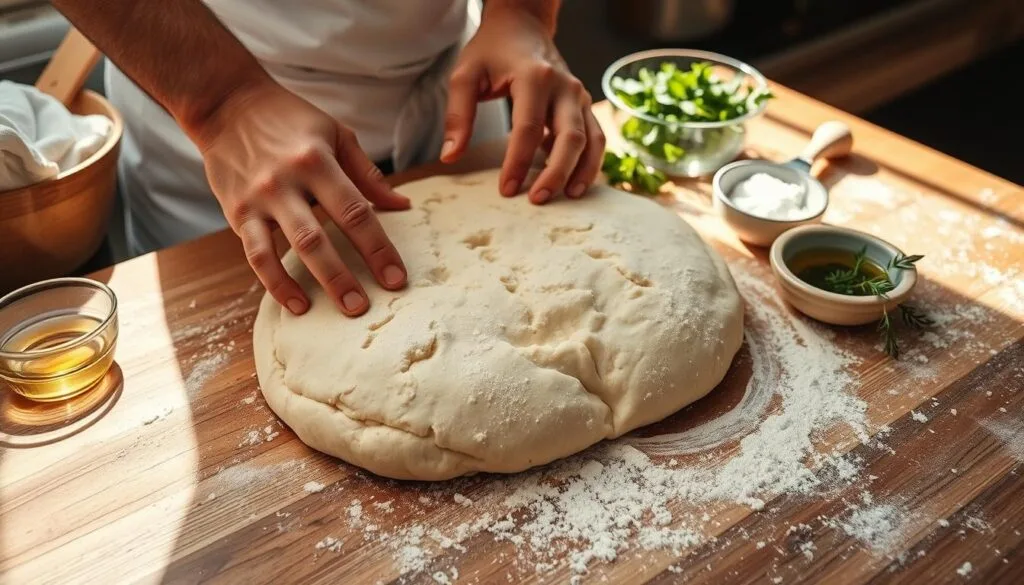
[(889, 336), (853, 281), (913, 317)]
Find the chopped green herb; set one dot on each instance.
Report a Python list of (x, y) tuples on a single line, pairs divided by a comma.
[(688, 95), (629, 169), (676, 96)]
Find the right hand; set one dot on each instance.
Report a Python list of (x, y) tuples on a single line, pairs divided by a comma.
[(264, 150)]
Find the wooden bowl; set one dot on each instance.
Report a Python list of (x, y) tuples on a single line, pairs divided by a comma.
[(48, 229)]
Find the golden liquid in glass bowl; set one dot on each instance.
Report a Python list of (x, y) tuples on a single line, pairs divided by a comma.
[(60, 374)]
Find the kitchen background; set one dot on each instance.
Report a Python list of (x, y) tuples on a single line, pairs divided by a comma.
[(943, 72)]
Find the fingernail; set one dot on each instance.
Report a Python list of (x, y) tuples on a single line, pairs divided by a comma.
[(447, 148), (510, 188), (543, 195), (393, 275), (296, 306), (352, 301), (576, 190)]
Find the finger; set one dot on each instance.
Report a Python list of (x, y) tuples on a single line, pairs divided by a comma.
[(463, 94), (570, 141), (590, 161), (259, 251), (366, 176), (352, 213), (310, 242), (531, 95)]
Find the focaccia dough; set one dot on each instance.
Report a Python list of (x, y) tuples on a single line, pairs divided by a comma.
[(526, 334)]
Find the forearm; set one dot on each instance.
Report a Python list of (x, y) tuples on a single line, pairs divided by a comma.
[(178, 52), (546, 11)]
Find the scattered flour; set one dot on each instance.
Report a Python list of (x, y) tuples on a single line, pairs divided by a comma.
[(618, 496), (965, 569), (355, 513), (879, 527), (202, 369), (313, 487), (252, 437), (1010, 433), (919, 417), (330, 543), (443, 578)]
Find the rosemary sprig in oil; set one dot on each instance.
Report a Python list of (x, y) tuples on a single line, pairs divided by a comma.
[(854, 281)]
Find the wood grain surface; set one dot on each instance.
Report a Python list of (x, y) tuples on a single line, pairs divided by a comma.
[(175, 471)]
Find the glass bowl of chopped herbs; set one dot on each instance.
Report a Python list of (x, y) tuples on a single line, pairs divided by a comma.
[(683, 111)]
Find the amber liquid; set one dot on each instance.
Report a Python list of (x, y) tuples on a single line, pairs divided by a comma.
[(64, 373), (814, 267)]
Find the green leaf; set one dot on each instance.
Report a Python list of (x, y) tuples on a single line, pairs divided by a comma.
[(672, 152), (904, 262), (629, 169), (633, 129)]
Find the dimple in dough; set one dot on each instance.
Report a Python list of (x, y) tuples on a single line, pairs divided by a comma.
[(527, 333)]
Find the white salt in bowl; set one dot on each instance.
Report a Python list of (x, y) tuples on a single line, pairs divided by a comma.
[(762, 231)]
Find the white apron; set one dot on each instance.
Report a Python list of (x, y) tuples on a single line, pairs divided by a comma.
[(378, 66)]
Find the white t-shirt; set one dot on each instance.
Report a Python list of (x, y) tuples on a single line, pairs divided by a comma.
[(378, 66), (374, 49)]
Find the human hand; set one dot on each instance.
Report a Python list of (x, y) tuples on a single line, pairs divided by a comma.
[(264, 150), (512, 54)]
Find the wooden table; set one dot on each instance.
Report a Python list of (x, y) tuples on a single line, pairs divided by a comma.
[(177, 471)]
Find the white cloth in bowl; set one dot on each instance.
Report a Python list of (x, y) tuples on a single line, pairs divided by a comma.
[(40, 138)]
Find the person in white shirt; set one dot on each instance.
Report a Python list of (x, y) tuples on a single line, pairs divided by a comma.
[(239, 112)]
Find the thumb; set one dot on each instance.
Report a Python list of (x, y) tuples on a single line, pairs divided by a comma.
[(463, 91)]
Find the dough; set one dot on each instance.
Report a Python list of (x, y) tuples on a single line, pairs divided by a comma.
[(526, 334)]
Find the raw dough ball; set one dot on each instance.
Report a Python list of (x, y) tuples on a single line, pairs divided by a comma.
[(526, 334)]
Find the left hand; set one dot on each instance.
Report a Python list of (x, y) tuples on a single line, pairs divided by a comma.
[(512, 54)]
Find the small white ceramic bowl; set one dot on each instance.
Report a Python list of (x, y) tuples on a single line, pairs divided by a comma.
[(753, 229), (832, 307)]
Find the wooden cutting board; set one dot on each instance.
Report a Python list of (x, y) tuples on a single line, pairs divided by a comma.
[(179, 473)]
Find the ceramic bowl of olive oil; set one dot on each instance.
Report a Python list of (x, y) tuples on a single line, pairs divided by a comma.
[(57, 337), (839, 275)]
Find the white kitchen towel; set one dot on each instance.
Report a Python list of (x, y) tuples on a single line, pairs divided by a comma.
[(39, 137)]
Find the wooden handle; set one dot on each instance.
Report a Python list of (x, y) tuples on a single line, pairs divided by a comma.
[(69, 67), (830, 140)]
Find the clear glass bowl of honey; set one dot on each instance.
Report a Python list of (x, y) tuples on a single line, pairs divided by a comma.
[(57, 337)]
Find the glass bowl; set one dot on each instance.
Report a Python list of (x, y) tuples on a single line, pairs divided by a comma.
[(705, 146), (57, 337)]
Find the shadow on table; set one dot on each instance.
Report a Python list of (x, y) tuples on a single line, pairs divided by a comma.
[(25, 423)]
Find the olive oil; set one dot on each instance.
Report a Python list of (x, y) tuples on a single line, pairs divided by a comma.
[(814, 266), (56, 362)]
